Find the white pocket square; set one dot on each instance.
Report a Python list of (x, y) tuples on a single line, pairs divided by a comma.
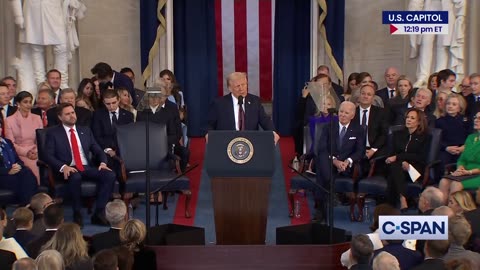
[(352, 138)]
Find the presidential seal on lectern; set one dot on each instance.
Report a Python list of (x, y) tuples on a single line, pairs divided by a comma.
[(240, 150)]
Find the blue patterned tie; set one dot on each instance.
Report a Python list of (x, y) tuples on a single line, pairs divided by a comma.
[(342, 134)]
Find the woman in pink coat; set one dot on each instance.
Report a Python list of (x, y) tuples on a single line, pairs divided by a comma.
[(20, 129)]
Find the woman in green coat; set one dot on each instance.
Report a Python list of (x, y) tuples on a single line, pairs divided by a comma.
[(467, 174)]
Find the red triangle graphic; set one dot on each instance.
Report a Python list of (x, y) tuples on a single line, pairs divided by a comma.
[(393, 29)]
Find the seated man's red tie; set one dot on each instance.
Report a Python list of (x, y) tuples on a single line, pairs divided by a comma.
[(241, 114), (44, 118), (76, 151)]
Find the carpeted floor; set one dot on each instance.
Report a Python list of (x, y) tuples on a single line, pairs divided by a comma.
[(201, 203)]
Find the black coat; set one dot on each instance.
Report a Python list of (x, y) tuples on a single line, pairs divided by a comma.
[(377, 127), (105, 240)]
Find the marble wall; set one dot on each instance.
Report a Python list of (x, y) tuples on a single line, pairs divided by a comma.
[(111, 33)]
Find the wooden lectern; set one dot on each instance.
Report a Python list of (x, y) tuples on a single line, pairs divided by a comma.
[(240, 165)]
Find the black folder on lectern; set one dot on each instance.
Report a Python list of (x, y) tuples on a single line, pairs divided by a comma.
[(261, 164)]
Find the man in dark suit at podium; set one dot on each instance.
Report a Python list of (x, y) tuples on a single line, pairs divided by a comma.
[(339, 153), (239, 110)]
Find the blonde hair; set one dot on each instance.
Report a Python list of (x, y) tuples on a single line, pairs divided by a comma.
[(403, 78), (438, 113), (133, 234), (464, 200), (22, 217), (68, 240), (461, 102), (128, 107), (42, 84), (459, 230), (50, 260)]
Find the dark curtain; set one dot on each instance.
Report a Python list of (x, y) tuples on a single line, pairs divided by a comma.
[(148, 25), (291, 60), (335, 28), (195, 59)]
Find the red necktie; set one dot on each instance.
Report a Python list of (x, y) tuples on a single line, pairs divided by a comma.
[(241, 118), (44, 118), (76, 151)]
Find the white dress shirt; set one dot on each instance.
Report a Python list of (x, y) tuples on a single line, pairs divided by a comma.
[(361, 118), (82, 153)]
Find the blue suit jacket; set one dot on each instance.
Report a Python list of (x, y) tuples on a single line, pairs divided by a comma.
[(121, 80), (221, 115), (102, 129), (3, 168), (384, 94), (58, 149), (353, 145)]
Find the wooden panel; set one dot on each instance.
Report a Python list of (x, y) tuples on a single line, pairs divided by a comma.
[(240, 208), (250, 257)]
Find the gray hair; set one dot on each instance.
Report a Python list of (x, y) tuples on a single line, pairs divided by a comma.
[(385, 261), (50, 260), (115, 212), (66, 91), (434, 197), (24, 264), (234, 75)]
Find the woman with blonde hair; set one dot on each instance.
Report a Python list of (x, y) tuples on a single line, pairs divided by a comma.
[(133, 237), (403, 88), (133, 234), (440, 104), (126, 101), (461, 201), (454, 129), (50, 260), (68, 241)]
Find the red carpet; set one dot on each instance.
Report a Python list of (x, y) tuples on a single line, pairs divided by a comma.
[(197, 151), (287, 151)]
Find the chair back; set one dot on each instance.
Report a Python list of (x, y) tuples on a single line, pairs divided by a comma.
[(436, 135), (132, 144), (391, 130), (41, 136)]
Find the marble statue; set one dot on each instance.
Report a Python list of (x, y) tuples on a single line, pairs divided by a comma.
[(42, 23), (437, 52)]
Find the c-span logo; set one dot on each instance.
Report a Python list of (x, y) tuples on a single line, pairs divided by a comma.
[(413, 227), (416, 22), (240, 150)]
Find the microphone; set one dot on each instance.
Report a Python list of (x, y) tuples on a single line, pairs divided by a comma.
[(332, 111), (240, 100)]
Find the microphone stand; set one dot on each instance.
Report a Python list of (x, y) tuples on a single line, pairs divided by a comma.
[(331, 113), (147, 169)]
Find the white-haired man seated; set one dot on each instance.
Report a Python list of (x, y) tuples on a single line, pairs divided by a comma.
[(116, 214), (385, 261)]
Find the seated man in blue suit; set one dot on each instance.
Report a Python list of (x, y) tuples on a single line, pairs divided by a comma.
[(67, 152), (14, 175), (239, 110), (348, 145)]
